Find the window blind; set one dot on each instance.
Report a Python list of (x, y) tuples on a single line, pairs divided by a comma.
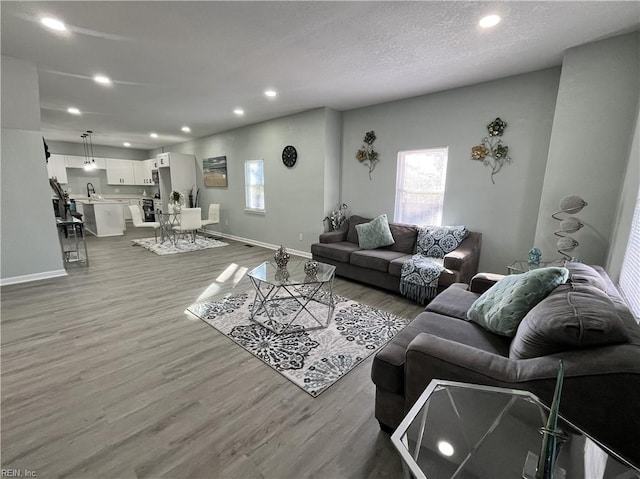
[(630, 272)]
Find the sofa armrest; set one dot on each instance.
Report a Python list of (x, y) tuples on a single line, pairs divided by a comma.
[(465, 258), (333, 237), (483, 281)]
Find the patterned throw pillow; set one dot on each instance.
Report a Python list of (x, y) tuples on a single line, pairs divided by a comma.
[(437, 241), (501, 308), (375, 233)]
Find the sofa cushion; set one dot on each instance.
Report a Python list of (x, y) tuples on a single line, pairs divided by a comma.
[(336, 251), (501, 308), (352, 233), (388, 366), (377, 259), (585, 274), (404, 236), (454, 301), (395, 266), (375, 234), (573, 316)]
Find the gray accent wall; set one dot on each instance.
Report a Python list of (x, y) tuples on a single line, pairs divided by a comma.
[(294, 197), (505, 212), (593, 127), (30, 247)]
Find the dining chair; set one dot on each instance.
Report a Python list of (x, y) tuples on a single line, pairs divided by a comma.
[(138, 222), (214, 217), (190, 221)]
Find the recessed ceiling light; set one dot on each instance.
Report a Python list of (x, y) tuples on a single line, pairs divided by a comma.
[(127, 144), (489, 21), (186, 129), (445, 448), (153, 135), (239, 111), (53, 24), (103, 80), (73, 110), (270, 93)]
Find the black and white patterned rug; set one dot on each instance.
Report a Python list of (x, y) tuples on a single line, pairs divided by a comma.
[(313, 359), (182, 245)]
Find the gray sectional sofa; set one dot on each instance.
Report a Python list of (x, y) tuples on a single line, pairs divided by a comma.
[(382, 266), (575, 323)]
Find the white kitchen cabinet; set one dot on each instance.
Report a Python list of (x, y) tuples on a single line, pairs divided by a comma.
[(120, 172), (163, 160), (57, 168), (80, 162), (75, 161), (142, 172)]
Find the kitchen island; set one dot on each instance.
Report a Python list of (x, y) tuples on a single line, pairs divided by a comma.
[(102, 217)]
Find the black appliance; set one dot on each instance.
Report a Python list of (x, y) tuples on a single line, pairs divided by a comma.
[(147, 209)]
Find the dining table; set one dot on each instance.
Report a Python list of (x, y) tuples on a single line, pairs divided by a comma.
[(167, 222)]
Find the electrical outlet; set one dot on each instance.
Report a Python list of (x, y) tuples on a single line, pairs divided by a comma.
[(226, 222), (117, 190), (300, 236)]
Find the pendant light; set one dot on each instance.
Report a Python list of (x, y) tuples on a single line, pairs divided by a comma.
[(87, 165), (92, 163)]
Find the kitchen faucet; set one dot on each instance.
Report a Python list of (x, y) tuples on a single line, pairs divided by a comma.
[(90, 189)]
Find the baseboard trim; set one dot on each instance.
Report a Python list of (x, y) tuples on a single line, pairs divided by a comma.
[(27, 278), (304, 254)]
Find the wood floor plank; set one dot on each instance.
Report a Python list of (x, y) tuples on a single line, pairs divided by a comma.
[(105, 375)]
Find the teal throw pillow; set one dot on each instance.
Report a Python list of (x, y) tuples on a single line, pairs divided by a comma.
[(375, 234), (501, 308)]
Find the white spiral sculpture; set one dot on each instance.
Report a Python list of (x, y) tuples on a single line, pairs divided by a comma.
[(568, 205)]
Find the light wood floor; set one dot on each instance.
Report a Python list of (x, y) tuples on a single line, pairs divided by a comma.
[(104, 375)]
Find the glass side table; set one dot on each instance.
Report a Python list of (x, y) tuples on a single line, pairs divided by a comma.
[(459, 430), (521, 266)]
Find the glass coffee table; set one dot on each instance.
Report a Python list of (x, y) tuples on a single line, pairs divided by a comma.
[(288, 299), (459, 430)]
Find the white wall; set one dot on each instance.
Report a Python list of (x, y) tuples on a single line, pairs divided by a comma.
[(593, 126), (294, 197), (504, 212), (30, 247)]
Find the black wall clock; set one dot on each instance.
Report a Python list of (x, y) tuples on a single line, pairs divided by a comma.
[(289, 156)]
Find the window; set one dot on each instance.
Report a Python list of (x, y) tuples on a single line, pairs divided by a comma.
[(254, 185), (630, 272), (420, 186)]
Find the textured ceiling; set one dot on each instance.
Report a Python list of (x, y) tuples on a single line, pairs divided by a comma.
[(192, 63)]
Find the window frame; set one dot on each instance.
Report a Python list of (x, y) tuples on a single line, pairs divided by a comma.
[(400, 171), (249, 208)]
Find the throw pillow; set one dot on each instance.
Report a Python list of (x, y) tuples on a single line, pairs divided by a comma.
[(437, 241), (375, 234), (501, 308), (585, 274), (573, 316)]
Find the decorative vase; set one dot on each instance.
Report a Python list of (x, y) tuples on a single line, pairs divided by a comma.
[(281, 258), (534, 257), (282, 275), (311, 268)]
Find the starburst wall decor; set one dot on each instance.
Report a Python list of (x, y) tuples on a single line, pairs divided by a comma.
[(492, 152)]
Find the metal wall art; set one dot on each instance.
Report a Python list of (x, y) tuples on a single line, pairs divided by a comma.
[(492, 152), (366, 154)]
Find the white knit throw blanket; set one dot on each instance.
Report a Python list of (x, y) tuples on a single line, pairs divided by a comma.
[(420, 275)]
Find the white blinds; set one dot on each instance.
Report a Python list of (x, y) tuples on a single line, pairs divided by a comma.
[(630, 273)]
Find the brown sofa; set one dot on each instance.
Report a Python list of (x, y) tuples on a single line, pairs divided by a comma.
[(601, 392), (382, 266)]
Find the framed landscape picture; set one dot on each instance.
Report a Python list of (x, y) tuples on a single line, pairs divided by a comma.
[(215, 171)]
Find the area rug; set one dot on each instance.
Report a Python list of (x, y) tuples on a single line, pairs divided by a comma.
[(181, 246), (311, 359)]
